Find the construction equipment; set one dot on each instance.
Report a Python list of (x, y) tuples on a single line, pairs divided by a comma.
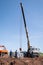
[(3, 50), (30, 51)]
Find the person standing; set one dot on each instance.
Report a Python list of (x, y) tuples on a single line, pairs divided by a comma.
[(16, 54), (10, 53)]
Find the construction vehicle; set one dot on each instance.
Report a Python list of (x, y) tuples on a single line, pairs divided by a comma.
[(3, 50), (31, 52)]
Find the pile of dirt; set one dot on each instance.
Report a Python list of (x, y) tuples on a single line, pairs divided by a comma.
[(21, 61), (33, 61)]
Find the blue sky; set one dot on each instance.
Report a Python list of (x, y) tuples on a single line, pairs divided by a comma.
[(11, 22)]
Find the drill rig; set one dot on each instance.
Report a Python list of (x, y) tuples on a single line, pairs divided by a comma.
[(30, 51)]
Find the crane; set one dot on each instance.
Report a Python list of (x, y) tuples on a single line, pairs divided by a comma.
[(30, 51), (28, 43)]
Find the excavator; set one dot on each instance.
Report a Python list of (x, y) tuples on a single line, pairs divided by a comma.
[(31, 52)]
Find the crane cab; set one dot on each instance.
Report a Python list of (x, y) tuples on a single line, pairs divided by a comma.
[(34, 52)]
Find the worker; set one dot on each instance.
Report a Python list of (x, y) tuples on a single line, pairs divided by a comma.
[(16, 54), (10, 53)]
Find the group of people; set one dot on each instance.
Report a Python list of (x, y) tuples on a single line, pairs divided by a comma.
[(16, 54), (11, 54)]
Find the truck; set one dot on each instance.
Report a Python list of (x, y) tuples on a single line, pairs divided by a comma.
[(3, 51)]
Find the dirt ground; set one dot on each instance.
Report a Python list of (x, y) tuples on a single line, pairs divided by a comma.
[(21, 61)]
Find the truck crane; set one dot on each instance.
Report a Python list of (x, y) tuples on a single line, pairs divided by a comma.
[(30, 51)]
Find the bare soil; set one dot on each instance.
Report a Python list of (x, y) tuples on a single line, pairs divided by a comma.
[(21, 61)]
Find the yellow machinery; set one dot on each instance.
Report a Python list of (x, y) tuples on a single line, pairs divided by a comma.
[(3, 50)]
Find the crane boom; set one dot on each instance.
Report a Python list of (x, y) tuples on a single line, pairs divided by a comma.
[(25, 26)]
